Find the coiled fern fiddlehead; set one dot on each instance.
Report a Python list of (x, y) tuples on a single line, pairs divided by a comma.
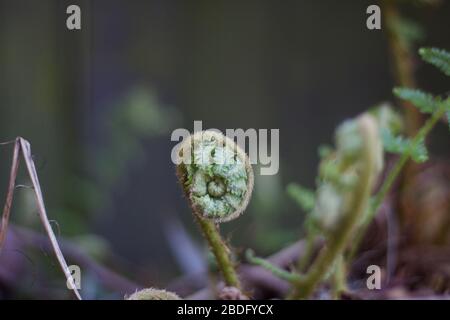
[(217, 179)]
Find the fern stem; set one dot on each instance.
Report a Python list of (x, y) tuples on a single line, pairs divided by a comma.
[(339, 284), (275, 270), (309, 248), (220, 251)]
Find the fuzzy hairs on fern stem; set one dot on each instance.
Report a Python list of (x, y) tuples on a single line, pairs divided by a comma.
[(367, 151), (217, 179)]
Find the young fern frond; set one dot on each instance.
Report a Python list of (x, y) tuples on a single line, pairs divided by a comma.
[(347, 175), (394, 144), (420, 152), (339, 209), (416, 146), (440, 58), (425, 102), (437, 57), (401, 145), (303, 197)]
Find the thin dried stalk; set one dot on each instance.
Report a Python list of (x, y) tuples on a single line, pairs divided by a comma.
[(24, 146), (10, 194)]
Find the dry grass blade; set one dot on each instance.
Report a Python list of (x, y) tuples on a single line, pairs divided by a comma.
[(26, 151), (10, 194), (23, 145)]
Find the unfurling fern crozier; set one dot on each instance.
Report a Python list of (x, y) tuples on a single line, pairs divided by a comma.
[(216, 176)]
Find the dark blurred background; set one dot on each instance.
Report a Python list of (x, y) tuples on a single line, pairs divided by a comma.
[(99, 105)]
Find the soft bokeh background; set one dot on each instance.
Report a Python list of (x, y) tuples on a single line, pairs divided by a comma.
[(99, 105)]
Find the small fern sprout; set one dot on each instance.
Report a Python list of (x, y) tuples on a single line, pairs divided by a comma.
[(346, 178), (340, 175), (216, 176), (358, 155), (217, 179), (153, 294)]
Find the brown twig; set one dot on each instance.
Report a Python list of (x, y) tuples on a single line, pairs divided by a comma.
[(24, 146), (27, 156), (402, 62), (10, 194)]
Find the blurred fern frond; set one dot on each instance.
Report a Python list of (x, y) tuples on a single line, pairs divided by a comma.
[(425, 102), (303, 197), (437, 57)]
